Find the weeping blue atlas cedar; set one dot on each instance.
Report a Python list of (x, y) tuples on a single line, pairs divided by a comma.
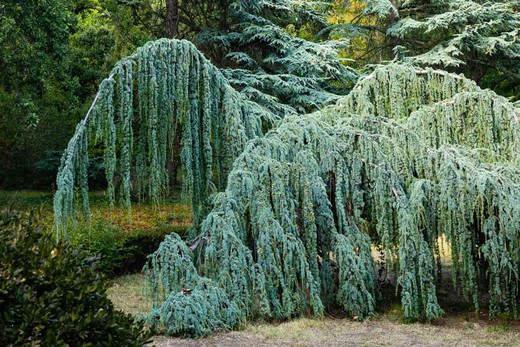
[(408, 156)]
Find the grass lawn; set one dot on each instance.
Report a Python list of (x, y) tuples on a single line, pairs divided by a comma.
[(460, 327), (176, 215)]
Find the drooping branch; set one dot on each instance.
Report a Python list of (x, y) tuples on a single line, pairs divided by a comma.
[(406, 157), (290, 234), (177, 92)]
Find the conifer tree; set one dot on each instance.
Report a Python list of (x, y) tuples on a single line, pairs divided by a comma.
[(274, 66), (477, 38), (292, 232), (409, 155), (267, 49)]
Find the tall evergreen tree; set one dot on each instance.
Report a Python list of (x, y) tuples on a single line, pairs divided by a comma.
[(267, 48), (267, 58), (477, 38)]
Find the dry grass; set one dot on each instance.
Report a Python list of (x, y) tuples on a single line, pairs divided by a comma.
[(385, 329), (145, 216), (126, 294), (379, 331)]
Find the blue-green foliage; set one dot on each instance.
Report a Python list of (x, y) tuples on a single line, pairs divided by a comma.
[(178, 93), (185, 303), (476, 37), (197, 312), (289, 233), (395, 163)]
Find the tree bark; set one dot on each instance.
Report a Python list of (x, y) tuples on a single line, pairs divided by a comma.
[(477, 70), (172, 18), (393, 18)]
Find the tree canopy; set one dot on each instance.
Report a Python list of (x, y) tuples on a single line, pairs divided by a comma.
[(409, 155), (477, 38), (307, 135)]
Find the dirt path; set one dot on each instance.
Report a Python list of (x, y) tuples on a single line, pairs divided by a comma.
[(376, 332), (460, 327)]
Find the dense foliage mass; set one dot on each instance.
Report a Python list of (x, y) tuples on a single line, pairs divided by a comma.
[(409, 155), (51, 295), (292, 232), (283, 54), (183, 105), (478, 38), (272, 56)]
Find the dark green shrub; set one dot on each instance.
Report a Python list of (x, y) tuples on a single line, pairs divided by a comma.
[(100, 239), (120, 252), (51, 295), (136, 246)]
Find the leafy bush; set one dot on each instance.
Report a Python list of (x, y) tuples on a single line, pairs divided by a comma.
[(138, 244), (119, 251), (51, 295), (100, 239)]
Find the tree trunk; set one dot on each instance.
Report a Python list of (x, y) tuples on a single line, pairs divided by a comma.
[(476, 69), (393, 18), (172, 18)]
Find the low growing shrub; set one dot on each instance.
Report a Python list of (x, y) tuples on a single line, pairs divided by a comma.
[(100, 239), (119, 251), (51, 294)]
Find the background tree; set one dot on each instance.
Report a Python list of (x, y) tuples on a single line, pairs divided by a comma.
[(477, 38), (35, 84), (53, 54)]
